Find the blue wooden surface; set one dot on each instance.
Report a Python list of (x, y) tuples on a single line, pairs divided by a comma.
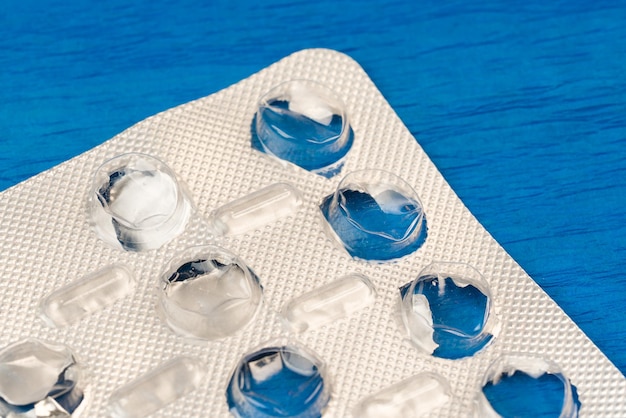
[(521, 105)]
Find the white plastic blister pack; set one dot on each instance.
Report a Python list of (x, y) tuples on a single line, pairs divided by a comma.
[(283, 247)]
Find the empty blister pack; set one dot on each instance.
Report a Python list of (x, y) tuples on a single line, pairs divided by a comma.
[(210, 262)]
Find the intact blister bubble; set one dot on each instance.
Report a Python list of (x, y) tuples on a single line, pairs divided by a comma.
[(87, 295), (39, 379), (208, 293), (278, 381), (417, 396), (259, 208), (137, 203), (328, 303), (375, 215), (447, 310), (154, 390), (523, 385), (304, 123)]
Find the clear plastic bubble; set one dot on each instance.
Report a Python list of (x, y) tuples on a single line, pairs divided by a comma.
[(278, 381), (157, 388), (136, 203), (522, 385), (329, 303), (208, 293), (417, 396), (375, 215), (447, 310), (38, 380), (259, 208), (87, 295), (304, 123)]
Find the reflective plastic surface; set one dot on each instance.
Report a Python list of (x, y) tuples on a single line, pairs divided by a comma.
[(304, 123), (157, 388), (87, 295), (416, 396), (328, 303), (447, 310), (521, 385), (208, 293), (278, 381), (38, 380), (375, 215), (137, 204), (259, 208)]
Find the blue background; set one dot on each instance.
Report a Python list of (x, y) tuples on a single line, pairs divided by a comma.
[(521, 105)]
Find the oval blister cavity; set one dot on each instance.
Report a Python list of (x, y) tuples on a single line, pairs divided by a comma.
[(278, 381), (304, 123), (137, 204), (252, 211), (155, 389), (447, 310), (87, 295), (208, 293), (416, 396), (39, 379), (328, 303), (521, 385), (375, 215)]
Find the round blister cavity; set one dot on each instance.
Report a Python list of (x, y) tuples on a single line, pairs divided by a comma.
[(447, 310), (137, 204), (279, 381), (208, 293), (304, 123), (375, 215), (39, 379), (526, 386), (417, 396)]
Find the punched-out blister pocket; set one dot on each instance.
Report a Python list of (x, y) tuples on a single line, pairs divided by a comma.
[(208, 293), (40, 379), (137, 203), (200, 213), (303, 123), (279, 381), (375, 215), (448, 311)]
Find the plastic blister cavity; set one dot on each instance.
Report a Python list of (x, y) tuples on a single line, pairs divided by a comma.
[(304, 123), (328, 303), (417, 396), (136, 203), (87, 295), (526, 385), (447, 310), (375, 215), (208, 293), (279, 381), (156, 389), (39, 379), (252, 211)]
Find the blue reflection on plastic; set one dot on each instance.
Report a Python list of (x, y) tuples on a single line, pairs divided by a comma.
[(293, 137), (459, 315), (521, 395), (384, 228), (277, 382)]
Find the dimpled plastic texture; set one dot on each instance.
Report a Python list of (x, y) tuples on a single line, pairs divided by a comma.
[(207, 144)]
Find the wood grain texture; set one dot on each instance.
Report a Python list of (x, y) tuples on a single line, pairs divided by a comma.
[(521, 106)]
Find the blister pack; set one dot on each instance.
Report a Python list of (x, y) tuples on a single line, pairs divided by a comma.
[(281, 248)]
